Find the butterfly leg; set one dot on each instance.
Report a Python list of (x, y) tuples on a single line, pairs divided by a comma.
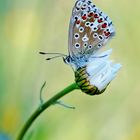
[(64, 105), (40, 97)]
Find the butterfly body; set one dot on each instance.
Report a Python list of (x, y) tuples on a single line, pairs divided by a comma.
[(76, 62)]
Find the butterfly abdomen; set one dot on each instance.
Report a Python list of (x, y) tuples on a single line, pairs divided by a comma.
[(81, 78)]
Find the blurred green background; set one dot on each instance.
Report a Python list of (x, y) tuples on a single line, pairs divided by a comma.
[(30, 26)]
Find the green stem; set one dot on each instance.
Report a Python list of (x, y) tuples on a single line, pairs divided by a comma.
[(43, 107)]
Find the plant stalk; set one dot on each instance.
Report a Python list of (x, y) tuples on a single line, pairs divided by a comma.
[(43, 107)]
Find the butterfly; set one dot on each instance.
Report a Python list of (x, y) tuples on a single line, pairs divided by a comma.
[(89, 30)]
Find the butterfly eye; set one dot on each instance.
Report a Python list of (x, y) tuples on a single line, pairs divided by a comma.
[(81, 29), (77, 45), (95, 35), (67, 59), (87, 24), (76, 36)]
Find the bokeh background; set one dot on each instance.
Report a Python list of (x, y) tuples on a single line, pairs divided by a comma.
[(30, 26)]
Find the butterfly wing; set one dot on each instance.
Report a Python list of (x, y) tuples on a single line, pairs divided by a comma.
[(89, 29)]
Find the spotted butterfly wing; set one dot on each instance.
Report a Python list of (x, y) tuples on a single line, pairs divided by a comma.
[(89, 29)]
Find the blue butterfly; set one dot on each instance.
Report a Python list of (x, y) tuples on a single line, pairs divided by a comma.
[(89, 31)]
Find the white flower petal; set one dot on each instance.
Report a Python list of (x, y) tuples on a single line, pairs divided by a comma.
[(101, 70)]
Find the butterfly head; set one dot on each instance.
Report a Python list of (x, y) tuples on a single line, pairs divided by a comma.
[(67, 60)]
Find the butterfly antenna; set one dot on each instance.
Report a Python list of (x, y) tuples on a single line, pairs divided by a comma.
[(49, 58), (44, 53), (57, 55)]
